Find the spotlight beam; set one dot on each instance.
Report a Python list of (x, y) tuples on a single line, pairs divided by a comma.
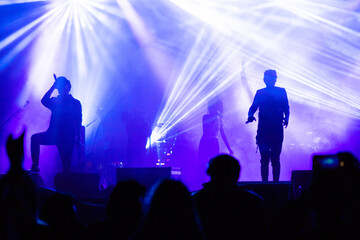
[(318, 19), (267, 52)]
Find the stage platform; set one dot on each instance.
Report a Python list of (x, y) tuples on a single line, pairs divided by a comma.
[(275, 195), (91, 197)]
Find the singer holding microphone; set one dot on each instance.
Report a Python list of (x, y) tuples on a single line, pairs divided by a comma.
[(65, 124), (274, 112)]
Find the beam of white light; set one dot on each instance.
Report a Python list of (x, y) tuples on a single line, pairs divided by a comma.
[(295, 7), (160, 62), (219, 15), (259, 41), (68, 41), (211, 76), (26, 35), (203, 76), (306, 14), (307, 76)]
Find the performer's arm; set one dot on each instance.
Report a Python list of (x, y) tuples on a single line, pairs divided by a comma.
[(253, 108), (78, 120), (222, 132), (286, 110), (46, 98)]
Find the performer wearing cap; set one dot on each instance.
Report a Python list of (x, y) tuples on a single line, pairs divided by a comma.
[(274, 114), (65, 124)]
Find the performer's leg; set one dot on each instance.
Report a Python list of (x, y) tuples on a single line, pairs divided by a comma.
[(264, 161), (208, 148), (214, 148), (66, 148), (202, 153), (275, 160), (38, 139)]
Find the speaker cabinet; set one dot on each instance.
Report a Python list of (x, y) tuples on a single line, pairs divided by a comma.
[(82, 185)]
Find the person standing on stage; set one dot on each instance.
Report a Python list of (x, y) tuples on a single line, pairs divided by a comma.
[(65, 124), (274, 114), (138, 131), (212, 124)]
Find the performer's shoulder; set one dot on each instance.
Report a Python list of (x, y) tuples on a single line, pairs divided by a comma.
[(77, 102), (261, 90), (206, 116), (74, 99), (280, 89)]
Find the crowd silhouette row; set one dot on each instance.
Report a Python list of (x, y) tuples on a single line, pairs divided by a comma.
[(329, 209)]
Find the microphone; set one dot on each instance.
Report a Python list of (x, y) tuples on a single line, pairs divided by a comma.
[(250, 119), (25, 105)]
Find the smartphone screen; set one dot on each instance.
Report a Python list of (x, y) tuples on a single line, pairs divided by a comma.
[(325, 162)]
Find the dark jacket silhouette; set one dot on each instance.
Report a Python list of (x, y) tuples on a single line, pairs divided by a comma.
[(65, 124), (123, 212), (273, 106), (329, 208), (170, 214), (226, 211), (18, 198)]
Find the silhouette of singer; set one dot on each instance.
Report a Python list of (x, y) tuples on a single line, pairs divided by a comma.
[(65, 124), (273, 115), (212, 124)]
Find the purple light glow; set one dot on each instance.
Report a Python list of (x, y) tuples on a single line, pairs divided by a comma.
[(163, 60)]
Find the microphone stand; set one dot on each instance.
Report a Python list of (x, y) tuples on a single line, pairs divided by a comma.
[(12, 116)]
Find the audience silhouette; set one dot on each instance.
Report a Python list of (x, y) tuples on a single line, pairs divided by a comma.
[(169, 213), (59, 213), (330, 208), (18, 197), (123, 212), (225, 210)]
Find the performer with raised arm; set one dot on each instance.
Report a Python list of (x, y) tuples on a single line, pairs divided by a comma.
[(65, 124), (274, 114)]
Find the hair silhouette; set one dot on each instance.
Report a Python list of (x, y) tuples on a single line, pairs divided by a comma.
[(170, 213)]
